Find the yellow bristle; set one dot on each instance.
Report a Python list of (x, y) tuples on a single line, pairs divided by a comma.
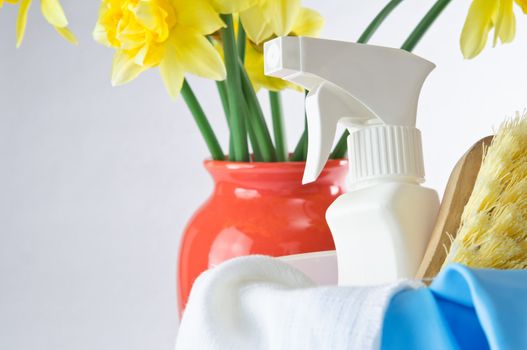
[(493, 229)]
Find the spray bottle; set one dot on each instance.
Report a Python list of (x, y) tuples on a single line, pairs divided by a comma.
[(382, 225)]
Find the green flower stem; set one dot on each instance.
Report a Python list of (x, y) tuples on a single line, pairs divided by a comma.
[(241, 41), (341, 147), (252, 126), (278, 126), (235, 93), (298, 153), (257, 119), (202, 121), (423, 26), (222, 90), (377, 21), (257, 153)]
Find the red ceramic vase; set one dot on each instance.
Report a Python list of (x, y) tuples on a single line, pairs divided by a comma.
[(258, 208)]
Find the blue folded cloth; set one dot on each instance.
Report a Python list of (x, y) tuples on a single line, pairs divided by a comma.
[(463, 309)]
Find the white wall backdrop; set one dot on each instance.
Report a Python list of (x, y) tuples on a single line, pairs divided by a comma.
[(96, 183)]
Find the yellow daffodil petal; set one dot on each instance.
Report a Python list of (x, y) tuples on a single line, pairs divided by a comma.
[(198, 14), (308, 23), (169, 34), (100, 35), (477, 27), (505, 27), (148, 15), (21, 21), (232, 6), (171, 70), (282, 15), (67, 34), (522, 4), (256, 25), (8, 1), (124, 69), (53, 13), (197, 55), (107, 24)]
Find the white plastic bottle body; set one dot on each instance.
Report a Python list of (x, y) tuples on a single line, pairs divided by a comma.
[(381, 231)]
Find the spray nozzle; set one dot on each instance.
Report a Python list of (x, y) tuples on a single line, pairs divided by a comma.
[(354, 84)]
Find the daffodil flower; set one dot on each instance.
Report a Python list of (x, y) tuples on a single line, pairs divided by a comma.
[(169, 34), (484, 15), (232, 6), (52, 12), (307, 23), (270, 17), (262, 18)]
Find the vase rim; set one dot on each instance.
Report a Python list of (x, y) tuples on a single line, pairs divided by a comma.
[(229, 164)]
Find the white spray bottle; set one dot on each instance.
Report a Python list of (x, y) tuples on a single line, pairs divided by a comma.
[(382, 226)]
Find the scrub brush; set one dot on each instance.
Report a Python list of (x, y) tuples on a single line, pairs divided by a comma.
[(493, 229)]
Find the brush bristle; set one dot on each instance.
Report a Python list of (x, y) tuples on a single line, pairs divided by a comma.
[(493, 229)]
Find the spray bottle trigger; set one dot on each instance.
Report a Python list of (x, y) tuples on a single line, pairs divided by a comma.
[(326, 106)]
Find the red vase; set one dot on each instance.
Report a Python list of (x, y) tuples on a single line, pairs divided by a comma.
[(258, 208)]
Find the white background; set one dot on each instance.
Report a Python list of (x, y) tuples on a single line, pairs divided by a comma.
[(96, 183)]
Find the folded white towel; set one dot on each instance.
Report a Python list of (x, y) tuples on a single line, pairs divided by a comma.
[(259, 302)]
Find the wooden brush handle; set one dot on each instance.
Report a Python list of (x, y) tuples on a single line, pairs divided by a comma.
[(458, 191)]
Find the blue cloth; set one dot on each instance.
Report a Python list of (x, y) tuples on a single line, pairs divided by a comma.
[(463, 309)]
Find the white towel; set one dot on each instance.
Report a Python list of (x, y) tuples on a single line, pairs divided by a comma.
[(259, 302)]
